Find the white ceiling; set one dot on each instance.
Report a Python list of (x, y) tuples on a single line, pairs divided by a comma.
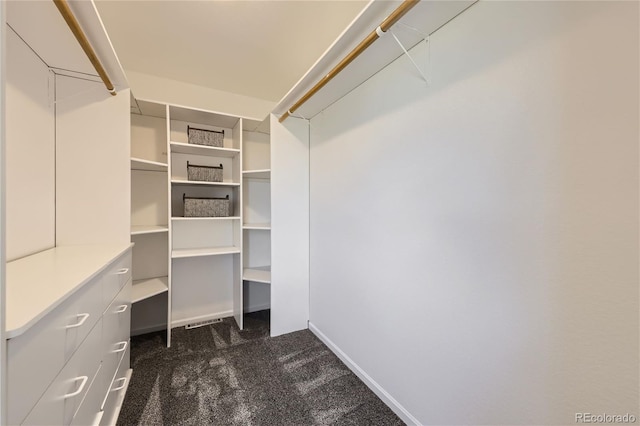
[(257, 48)]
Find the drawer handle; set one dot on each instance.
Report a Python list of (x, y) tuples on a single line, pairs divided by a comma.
[(121, 309), (83, 318), (124, 383), (80, 388), (123, 348), (122, 271)]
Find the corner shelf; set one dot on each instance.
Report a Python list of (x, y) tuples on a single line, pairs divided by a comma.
[(257, 174), (260, 226), (147, 165), (261, 274), (192, 149), (144, 289), (199, 252), (197, 182), (148, 229)]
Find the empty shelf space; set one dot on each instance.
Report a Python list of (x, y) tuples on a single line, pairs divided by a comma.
[(144, 289), (185, 148), (196, 182), (179, 218), (261, 274), (261, 226), (208, 251), (147, 165), (257, 174), (148, 229)]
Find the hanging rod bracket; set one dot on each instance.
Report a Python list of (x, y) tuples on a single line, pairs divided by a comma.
[(423, 74), (379, 31)]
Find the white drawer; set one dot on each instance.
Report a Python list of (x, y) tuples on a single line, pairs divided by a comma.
[(38, 355), (63, 397), (89, 411), (115, 395), (116, 326), (117, 275)]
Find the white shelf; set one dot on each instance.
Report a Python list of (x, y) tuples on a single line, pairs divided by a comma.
[(148, 229), (209, 251), (147, 165), (185, 148), (195, 182), (257, 174), (178, 218), (144, 289), (261, 226), (261, 274)]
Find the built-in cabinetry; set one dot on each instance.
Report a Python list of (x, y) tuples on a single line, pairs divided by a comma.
[(66, 322), (190, 269), (68, 347)]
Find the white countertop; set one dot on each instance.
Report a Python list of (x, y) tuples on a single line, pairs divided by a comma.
[(37, 284)]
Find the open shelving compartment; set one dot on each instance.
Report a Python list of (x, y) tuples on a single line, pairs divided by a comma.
[(149, 217), (256, 226), (206, 252)]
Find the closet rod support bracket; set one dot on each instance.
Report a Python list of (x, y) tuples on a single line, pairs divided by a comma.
[(422, 73)]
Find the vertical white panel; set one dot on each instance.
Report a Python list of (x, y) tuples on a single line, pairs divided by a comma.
[(474, 242), (238, 287), (289, 225), (92, 163), (30, 150)]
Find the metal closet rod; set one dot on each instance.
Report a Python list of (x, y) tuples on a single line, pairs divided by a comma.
[(75, 28), (364, 44)]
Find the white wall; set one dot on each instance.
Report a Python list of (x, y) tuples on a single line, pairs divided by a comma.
[(474, 243), (163, 90), (30, 148)]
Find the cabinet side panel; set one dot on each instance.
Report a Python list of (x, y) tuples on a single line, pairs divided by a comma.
[(92, 163), (30, 165), (289, 225)]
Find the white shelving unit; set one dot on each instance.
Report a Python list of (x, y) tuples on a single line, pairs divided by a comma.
[(149, 218), (256, 225), (191, 269), (206, 253)]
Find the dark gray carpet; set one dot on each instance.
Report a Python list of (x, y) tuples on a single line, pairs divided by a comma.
[(219, 375)]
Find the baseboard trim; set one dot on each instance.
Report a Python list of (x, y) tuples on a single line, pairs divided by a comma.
[(372, 384), (216, 315)]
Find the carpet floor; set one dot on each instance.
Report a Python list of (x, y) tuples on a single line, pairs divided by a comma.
[(219, 375)]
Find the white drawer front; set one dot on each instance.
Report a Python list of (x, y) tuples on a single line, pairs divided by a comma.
[(117, 275), (38, 355), (62, 398), (116, 330), (89, 411), (116, 393)]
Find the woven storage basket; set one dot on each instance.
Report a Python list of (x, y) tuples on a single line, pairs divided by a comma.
[(206, 207), (204, 173), (205, 137)]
